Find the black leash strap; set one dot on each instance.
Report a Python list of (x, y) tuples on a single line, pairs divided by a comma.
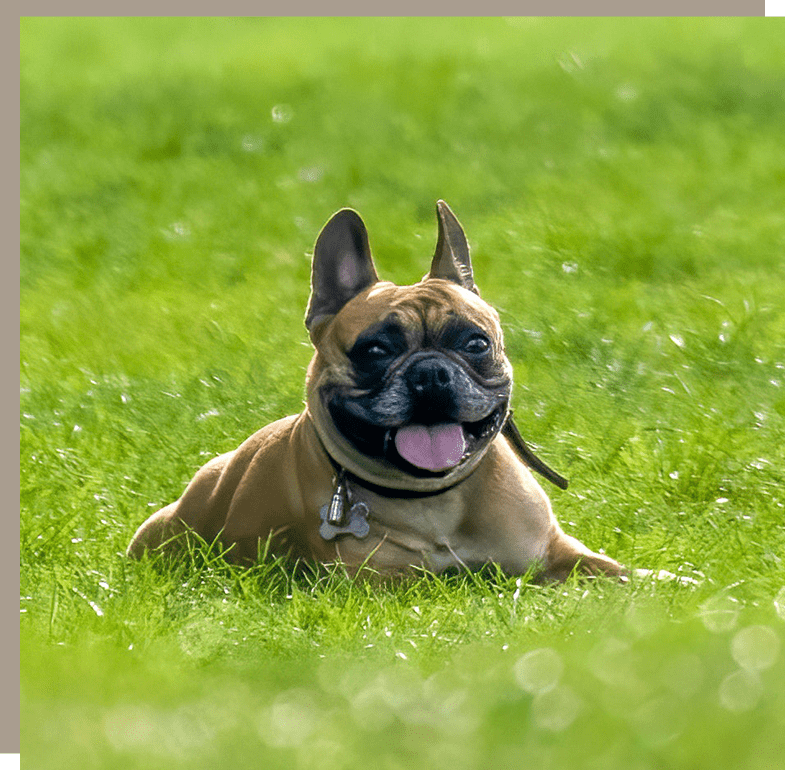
[(513, 435)]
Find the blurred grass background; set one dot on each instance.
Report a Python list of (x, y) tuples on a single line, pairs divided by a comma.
[(622, 185)]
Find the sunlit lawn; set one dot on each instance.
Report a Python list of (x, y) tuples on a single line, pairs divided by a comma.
[(622, 185)]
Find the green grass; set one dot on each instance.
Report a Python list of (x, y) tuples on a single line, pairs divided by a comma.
[(621, 183)]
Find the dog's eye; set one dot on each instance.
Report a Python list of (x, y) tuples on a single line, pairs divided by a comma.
[(476, 345), (375, 350), (370, 354)]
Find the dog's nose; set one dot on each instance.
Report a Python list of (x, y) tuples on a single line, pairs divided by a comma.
[(429, 377)]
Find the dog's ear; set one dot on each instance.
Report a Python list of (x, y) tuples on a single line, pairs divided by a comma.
[(342, 267), (451, 260)]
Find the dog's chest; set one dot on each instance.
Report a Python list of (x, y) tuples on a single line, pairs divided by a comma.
[(429, 530), (431, 517)]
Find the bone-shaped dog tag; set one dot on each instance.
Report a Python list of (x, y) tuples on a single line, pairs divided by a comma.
[(356, 523)]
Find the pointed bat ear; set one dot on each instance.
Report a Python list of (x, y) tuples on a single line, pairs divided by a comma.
[(451, 260), (342, 267)]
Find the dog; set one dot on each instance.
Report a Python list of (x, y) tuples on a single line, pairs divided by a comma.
[(406, 455)]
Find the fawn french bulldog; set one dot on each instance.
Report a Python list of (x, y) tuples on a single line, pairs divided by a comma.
[(405, 454)]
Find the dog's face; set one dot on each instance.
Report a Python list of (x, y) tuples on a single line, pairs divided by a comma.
[(409, 379)]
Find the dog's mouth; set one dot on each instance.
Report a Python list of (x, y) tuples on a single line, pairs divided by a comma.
[(420, 449)]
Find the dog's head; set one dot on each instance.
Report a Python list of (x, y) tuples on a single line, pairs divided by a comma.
[(409, 384)]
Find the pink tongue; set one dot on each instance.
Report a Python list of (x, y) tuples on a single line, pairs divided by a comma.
[(432, 447)]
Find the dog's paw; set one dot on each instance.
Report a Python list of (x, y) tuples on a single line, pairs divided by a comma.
[(665, 576)]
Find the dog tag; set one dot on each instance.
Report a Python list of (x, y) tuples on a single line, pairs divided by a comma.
[(334, 515), (356, 522)]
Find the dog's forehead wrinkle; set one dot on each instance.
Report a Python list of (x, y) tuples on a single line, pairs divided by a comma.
[(391, 328), (431, 304)]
